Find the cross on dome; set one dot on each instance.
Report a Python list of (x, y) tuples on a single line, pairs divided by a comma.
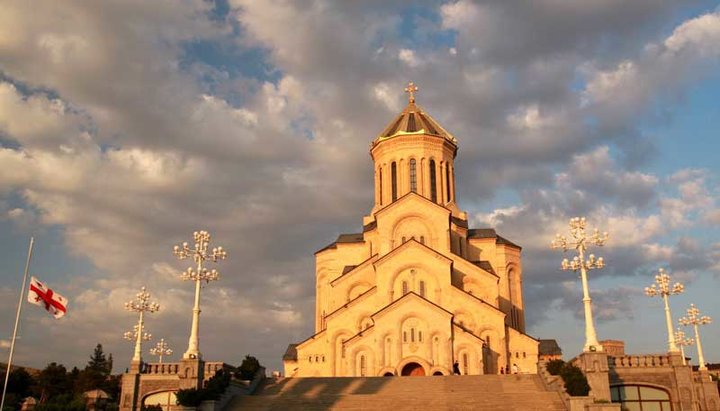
[(411, 89)]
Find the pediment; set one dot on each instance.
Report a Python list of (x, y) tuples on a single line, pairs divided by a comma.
[(412, 247)]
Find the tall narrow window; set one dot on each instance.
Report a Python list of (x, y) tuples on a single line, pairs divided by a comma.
[(419, 336), (380, 184), (405, 287), (412, 335), (465, 363), (433, 182), (393, 171), (404, 336), (422, 288), (447, 181), (362, 366), (413, 176)]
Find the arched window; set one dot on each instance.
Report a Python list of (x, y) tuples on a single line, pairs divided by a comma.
[(465, 363), (404, 336), (381, 185), (413, 176), (433, 182), (412, 335), (404, 287), (422, 289), (422, 239), (393, 172), (404, 240), (362, 366), (639, 397), (447, 181), (419, 336)]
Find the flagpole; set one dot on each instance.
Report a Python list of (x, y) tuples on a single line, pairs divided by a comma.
[(17, 321)]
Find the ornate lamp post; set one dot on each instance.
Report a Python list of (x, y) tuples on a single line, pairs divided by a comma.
[(695, 319), (662, 288), (161, 349), (579, 242), (199, 254), (140, 305), (681, 342)]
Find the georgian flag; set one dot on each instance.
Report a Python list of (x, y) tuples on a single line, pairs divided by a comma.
[(40, 294)]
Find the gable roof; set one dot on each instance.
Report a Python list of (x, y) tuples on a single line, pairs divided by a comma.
[(490, 233)]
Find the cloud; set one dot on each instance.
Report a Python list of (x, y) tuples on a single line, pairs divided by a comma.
[(127, 125)]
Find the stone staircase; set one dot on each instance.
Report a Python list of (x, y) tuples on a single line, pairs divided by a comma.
[(470, 392)]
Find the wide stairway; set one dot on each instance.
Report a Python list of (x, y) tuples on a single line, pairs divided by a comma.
[(469, 392)]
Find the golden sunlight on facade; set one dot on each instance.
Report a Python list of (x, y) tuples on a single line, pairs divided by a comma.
[(417, 290)]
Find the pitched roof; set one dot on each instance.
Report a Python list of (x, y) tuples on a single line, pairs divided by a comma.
[(490, 233), (413, 120), (290, 353), (549, 347), (343, 238)]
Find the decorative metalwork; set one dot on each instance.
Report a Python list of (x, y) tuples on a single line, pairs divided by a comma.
[(694, 318), (411, 89), (161, 349), (682, 342), (579, 242), (200, 254), (662, 288), (141, 304)]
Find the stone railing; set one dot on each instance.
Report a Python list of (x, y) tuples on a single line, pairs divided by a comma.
[(166, 368), (173, 368), (638, 361)]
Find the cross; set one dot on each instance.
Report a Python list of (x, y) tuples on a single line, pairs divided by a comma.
[(411, 89)]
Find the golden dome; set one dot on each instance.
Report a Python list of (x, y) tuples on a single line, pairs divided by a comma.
[(413, 121)]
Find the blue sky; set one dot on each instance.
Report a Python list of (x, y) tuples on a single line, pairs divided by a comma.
[(125, 126)]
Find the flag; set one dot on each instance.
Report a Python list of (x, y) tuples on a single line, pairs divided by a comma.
[(40, 294)]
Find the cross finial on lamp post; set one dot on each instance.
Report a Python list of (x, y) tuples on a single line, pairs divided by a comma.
[(662, 288), (411, 89), (140, 304), (200, 254), (579, 242)]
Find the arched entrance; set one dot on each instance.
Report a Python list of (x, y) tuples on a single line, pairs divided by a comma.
[(413, 369)]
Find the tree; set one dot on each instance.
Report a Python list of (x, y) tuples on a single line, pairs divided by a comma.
[(52, 381), (248, 368), (20, 382), (96, 373)]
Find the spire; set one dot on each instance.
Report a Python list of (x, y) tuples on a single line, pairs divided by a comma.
[(411, 89)]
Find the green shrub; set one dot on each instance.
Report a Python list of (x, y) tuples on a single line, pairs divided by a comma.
[(216, 385), (191, 397), (554, 366), (248, 368), (576, 384)]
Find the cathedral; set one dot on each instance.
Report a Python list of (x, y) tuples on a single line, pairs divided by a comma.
[(417, 291)]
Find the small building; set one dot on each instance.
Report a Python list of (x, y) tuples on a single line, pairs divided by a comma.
[(549, 350)]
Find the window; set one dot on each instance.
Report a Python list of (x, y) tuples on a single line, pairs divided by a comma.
[(433, 182), (419, 336), (404, 287), (413, 176), (404, 336), (447, 181), (362, 366), (641, 398), (380, 183), (422, 288), (412, 335), (393, 171), (422, 239), (465, 363)]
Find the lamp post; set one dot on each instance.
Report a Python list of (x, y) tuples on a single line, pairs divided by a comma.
[(579, 242), (681, 342), (199, 254), (140, 305), (662, 288), (695, 319), (161, 349)]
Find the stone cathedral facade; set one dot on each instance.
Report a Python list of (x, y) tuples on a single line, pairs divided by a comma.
[(417, 289)]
